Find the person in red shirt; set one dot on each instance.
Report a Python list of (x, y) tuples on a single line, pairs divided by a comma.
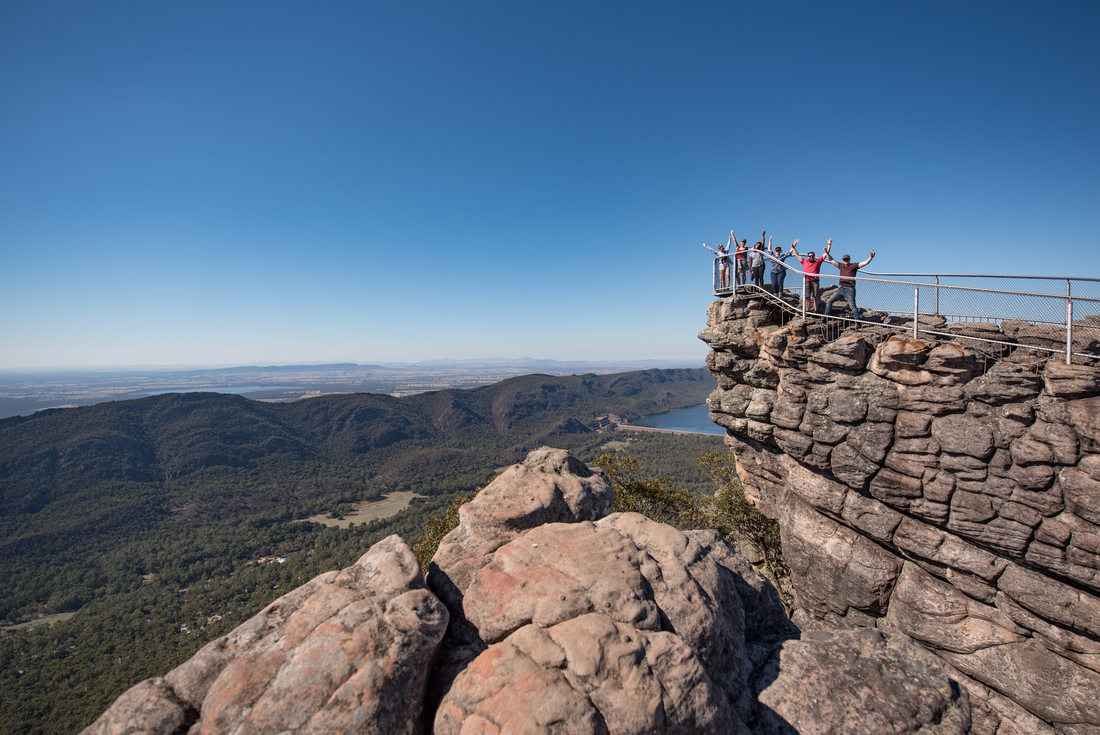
[(741, 266), (847, 287), (811, 265)]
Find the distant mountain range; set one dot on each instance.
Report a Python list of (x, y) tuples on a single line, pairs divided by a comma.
[(23, 393), (67, 454), (83, 477), (330, 368), (530, 362)]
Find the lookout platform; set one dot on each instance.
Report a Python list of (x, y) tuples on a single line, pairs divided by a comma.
[(994, 314)]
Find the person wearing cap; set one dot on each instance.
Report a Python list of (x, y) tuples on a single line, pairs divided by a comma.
[(847, 287), (779, 272), (811, 266)]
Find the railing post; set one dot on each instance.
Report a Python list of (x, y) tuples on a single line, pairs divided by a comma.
[(804, 280), (916, 308), (937, 295), (1069, 326)]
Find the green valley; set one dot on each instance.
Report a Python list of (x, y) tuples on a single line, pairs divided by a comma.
[(164, 522)]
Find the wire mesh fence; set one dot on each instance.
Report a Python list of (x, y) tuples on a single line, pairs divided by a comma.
[(992, 314)]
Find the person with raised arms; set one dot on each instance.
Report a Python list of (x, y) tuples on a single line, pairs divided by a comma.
[(742, 260), (847, 286), (811, 265), (723, 261), (756, 264), (779, 272)]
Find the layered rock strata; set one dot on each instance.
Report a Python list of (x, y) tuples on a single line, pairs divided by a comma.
[(924, 489), (560, 617)]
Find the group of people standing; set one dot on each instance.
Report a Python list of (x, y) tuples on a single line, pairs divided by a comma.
[(750, 262)]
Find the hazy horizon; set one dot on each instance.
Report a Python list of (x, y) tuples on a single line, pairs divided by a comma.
[(27, 391), (694, 362)]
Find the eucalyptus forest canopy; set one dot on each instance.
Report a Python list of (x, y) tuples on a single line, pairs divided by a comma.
[(164, 522)]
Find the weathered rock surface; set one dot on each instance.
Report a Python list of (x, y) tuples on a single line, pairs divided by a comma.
[(586, 675), (573, 620), (875, 684), (349, 651), (549, 486), (959, 509)]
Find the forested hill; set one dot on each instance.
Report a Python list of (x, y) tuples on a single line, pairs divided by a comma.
[(86, 478), (150, 519), (166, 438)]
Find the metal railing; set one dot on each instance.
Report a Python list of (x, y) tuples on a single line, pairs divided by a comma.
[(1057, 315)]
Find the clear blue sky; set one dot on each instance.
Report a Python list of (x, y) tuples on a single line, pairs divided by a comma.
[(244, 182)]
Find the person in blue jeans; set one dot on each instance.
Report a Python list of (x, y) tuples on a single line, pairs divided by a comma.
[(723, 254), (756, 265), (779, 273), (847, 289)]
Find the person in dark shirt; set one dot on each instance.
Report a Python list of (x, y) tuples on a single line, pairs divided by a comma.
[(847, 287)]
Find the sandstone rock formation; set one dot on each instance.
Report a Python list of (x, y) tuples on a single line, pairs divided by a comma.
[(348, 651), (927, 490), (561, 617)]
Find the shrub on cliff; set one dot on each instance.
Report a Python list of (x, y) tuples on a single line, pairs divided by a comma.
[(435, 530), (736, 518)]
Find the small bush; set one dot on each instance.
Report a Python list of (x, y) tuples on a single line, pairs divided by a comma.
[(434, 532)]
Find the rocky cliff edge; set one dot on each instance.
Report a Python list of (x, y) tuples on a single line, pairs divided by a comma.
[(544, 612), (929, 490)]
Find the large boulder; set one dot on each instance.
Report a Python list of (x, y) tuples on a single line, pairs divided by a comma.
[(348, 651), (636, 572), (587, 674), (549, 486)]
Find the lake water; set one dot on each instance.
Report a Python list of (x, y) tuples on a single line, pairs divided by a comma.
[(689, 419)]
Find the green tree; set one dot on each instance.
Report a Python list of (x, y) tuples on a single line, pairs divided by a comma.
[(650, 496), (736, 518)]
